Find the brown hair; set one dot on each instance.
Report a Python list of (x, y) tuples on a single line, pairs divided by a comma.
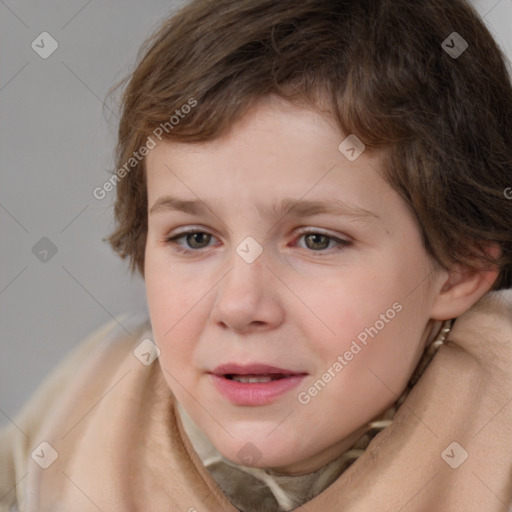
[(387, 77)]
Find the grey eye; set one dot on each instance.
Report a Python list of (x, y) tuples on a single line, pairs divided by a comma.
[(198, 240)]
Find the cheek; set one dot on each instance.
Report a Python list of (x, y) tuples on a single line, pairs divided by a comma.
[(175, 308), (170, 292), (373, 315), (344, 303)]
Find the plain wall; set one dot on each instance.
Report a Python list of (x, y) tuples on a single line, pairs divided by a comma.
[(57, 147)]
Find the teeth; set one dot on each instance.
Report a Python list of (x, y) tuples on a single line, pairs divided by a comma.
[(251, 379)]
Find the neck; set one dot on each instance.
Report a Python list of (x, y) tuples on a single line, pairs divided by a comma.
[(321, 459)]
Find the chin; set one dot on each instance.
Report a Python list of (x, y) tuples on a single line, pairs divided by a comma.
[(258, 454), (250, 456)]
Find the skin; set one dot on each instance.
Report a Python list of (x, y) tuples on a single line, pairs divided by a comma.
[(303, 301)]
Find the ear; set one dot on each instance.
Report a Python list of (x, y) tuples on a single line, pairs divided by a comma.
[(462, 287)]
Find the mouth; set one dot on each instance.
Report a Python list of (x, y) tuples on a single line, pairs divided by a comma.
[(255, 378), (253, 373), (254, 384)]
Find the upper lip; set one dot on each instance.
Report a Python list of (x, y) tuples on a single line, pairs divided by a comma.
[(251, 369)]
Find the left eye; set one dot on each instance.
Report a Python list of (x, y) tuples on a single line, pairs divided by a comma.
[(320, 241)]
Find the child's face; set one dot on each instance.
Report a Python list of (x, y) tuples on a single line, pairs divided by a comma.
[(341, 299)]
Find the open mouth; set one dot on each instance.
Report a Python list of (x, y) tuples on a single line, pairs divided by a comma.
[(268, 377), (254, 384)]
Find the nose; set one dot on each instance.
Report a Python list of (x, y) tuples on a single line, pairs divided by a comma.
[(248, 298)]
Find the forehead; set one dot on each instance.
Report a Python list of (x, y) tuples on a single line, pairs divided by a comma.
[(276, 150)]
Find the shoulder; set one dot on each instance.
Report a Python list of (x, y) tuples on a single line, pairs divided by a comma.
[(485, 333), (110, 341)]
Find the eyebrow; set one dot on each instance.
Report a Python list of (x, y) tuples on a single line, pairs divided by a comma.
[(294, 207)]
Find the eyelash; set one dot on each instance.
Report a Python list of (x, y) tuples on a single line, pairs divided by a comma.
[(173, 241)]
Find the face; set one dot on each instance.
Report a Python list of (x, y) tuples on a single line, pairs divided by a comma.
[(288, 288)]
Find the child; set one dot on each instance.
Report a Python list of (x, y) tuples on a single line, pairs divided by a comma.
[(312, 191)]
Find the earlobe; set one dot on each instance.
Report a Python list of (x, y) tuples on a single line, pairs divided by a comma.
[(461, 290)]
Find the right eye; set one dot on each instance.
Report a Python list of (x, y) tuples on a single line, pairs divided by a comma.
[(194, 240)]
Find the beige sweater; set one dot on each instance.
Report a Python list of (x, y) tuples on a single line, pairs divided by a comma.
[(20, 447), (105, 433)]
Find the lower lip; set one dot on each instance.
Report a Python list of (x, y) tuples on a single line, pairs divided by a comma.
[(255, 393)]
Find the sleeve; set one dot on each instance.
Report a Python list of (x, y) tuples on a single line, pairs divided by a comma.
[(15, 439)]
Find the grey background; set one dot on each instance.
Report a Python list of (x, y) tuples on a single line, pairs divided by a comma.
[(57, 146)]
